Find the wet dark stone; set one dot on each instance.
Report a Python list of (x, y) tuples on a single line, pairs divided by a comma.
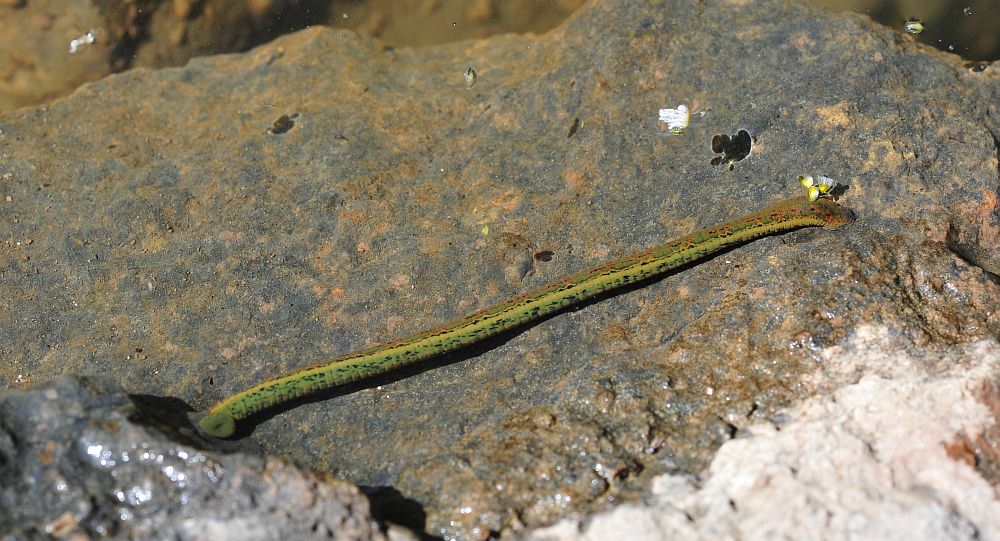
[(76, 463)]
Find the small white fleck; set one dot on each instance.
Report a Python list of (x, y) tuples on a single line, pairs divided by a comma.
[(677, 119), (709, 391), (138, 495), (75, 45)]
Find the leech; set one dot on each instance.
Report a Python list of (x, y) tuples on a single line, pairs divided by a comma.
[(220, 421)]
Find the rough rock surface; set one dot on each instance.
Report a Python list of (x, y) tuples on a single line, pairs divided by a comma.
[(76, 465), (193, 231), (891, 453)]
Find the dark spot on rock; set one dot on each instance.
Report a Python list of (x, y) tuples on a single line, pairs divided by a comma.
[(544, 255), (573, 128), (733, 149), (283, 125)]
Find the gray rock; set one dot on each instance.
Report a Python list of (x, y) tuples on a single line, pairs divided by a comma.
[(75, 464), (193, 231)]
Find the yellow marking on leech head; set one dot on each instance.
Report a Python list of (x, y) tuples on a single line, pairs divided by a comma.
[(814, 189)]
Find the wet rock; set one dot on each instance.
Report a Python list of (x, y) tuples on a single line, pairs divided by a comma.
[(76, 464), (48, 49), (425, 23), (884, 455), (193, 231)]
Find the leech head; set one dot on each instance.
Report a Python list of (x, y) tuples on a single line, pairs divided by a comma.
[(839, 215), (833, 214)]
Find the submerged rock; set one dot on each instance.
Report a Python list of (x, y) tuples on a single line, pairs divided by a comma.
[(48, 49)]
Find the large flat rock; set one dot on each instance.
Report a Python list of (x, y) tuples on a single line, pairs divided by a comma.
[(189, 232)]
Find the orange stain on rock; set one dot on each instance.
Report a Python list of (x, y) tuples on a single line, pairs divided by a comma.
[(834, 116), (230, 236), (324, 250), (352, 216), (509, 200), (989, 200), (577, 181)]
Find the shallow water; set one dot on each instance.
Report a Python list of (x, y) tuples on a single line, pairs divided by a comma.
[(968, 27)]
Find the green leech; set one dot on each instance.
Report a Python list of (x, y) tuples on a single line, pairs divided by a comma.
[(220, 421)]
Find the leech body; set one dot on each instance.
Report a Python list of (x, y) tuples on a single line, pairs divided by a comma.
[(220, 420)]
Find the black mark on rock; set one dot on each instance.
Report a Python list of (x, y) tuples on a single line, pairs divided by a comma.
[(733, 149), (283, 125)]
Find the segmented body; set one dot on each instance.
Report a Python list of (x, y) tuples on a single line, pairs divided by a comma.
[(220, 421)]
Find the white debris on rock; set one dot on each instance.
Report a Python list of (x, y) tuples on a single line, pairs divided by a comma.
[(676, 120), (865, 458)]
